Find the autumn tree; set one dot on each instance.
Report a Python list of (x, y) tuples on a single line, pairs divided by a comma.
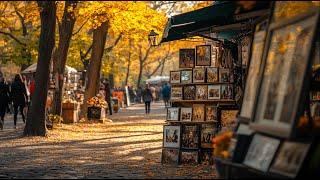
[(36, 125)]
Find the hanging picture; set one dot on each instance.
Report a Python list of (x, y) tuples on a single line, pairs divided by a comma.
[(206, 157), (226, 92), (198, 112), (173, 114), (290, 158), (203, 55), (190, 137), (198, 75), (261, 152), (185, 114), (201, 92), (208, 132), (170, 156), (189, 93), (211, 113), (225, 75), (214, 91), (212, 75), (186, 58), (174, 77), (287, 59), (176, 93), (214, 57), (186, 76), (189, 157), (171, 136)]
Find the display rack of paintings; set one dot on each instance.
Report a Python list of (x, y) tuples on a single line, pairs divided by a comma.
[(192, 120)]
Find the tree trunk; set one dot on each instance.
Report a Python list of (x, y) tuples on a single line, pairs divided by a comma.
[(65, 34), (140, 74), (36, 115), (93, 74)]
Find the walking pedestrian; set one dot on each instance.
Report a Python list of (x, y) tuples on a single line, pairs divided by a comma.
[(19, 97), (4, 100), (147, 98), (166, 94)]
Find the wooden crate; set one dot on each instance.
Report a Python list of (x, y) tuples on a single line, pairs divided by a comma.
[(70, 112), (96, 113)]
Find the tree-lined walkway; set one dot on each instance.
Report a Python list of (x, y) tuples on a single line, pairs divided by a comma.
[(129, 147)]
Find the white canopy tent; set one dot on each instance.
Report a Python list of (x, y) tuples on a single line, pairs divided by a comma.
[(33, 68), (157, 79)]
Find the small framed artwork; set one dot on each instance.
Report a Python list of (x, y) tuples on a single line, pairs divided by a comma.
[(198, 75), (226, 91), (173, 114), (170, 156), (186, 114), (214, 91), (189, 93), (189, 157), (212, 74), (198, 112), (190, 137), (208, 131), (206, 157), (225, 75), (174, 77), (186, 58), (290, 158), (201, 92), (203, 55), (171, 136), (211, 113), (176, 93), (261, 152), (186, 76)]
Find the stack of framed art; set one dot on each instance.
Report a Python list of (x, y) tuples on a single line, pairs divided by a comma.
[(200, 89)]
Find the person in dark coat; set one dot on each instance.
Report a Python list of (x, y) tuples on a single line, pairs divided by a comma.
[(19, 97), (4, 100), (166, 94), (147, 98)]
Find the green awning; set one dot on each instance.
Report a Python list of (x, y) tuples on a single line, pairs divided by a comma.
[(219, 14)]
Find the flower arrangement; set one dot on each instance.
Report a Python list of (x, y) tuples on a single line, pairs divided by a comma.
[(97, 101), (221, 144), (55, 118)]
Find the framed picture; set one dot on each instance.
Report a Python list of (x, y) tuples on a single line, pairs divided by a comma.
[(173, 114), (186, 58), (185, 114), (225, 75), (170, 156), (253, 75), (189, 93), (201, 92), (198, 75), (290, 158), (198, 112), (171, 136), (214, 56), (189, 157), (176, 93), (208, 131), (261, 152), (287, 60), (203, 55), (214, 91), (212, 113), (174, 77), (212, 74), (190, 137), (186, 76), (206, 157), (226, 91)]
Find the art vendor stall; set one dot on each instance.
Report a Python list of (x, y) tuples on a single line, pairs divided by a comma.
[(210, 78)]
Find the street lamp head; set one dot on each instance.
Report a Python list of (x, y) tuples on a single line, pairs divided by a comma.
[(152, 37)]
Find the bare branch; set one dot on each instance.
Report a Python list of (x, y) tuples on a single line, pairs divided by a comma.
[(80, 28), (13, 37), (108, 49)]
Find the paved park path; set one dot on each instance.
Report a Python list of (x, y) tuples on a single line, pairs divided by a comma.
[(128, 147)]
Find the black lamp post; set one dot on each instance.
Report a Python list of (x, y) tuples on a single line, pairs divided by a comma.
[(152, 37)]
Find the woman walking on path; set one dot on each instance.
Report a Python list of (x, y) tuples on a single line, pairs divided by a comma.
[(4, 100), (19, 97), (147, 98)]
